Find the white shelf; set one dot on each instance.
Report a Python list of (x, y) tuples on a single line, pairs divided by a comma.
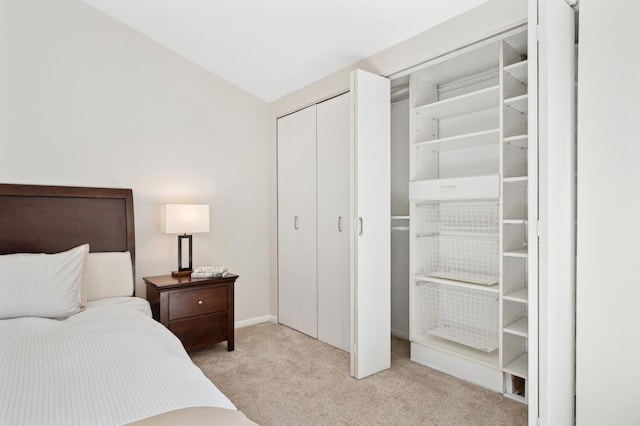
[(469, 140), (469, 277), (400, 217), (515, 221), (519, 366), (464, 104), (518, 71), (518, 328), (521, 141), (523, 252), (522, 180), (519, 103), (521, 295), (453, 333), (488, 288), (489, 359)]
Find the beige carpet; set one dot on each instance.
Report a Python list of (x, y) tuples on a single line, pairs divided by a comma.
[(278, 376)]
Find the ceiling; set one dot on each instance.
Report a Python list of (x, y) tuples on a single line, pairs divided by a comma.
[(273, 47)]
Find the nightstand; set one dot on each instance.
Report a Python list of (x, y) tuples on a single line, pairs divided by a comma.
[(199, 311)]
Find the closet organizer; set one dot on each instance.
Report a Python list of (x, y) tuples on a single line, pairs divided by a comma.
[(468, 208)]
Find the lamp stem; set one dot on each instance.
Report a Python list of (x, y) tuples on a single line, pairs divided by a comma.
[(181, 269)]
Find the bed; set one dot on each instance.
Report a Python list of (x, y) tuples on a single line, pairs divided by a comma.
[(76, 346)]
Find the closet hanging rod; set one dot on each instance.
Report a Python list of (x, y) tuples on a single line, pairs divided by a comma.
[(518, 28), (478, 78)]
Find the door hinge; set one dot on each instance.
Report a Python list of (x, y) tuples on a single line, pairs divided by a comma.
[(538, 31), (573, 4)]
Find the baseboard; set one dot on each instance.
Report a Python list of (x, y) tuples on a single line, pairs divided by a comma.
[(254, 321), (400, 333)]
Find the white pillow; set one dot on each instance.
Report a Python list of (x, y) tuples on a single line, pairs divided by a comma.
[(108, 274), (42, 285)]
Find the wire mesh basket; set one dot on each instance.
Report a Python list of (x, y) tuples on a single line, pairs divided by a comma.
[(463, 315), (458, 217), (460, 258)]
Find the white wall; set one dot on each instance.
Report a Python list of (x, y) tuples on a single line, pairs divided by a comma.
[(483, 21), (399, 156), (608, 282), (86, 101)]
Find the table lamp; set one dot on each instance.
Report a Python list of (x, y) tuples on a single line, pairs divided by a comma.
[(184, 219)]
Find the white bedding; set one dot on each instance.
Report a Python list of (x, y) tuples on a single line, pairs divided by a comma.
[(108, 365)]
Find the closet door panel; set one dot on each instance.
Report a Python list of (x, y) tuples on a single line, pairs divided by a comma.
[(333, 162), (556, 216), (371, 288), (286, 235), (297, 298)]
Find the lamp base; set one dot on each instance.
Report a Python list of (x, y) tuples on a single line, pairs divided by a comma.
[(186, 273)]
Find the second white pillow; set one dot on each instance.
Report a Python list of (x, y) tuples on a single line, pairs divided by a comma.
[(108, 274)]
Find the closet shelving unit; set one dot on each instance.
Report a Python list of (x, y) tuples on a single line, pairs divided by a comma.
[(514, 291), (454, 202), (468, 209)]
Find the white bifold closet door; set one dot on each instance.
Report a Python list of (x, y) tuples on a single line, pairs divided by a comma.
[(551, 368), (334, 300), (333, 222), (297, 250), (371, 210)]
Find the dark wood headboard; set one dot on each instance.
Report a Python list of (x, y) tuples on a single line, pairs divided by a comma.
[(50, 219)]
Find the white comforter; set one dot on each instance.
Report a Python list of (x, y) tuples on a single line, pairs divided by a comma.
[(107, 365)]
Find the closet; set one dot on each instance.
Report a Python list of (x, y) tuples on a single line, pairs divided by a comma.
[(333, 240), (485, 200), (491, 178), (297, 246), (313, 213), (469, 202), (334, 309)]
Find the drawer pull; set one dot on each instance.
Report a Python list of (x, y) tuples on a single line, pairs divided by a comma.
[(200, 302)]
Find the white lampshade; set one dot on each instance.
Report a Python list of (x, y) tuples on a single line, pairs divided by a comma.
[(184, 218)]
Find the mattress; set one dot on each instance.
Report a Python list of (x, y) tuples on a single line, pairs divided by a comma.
[(108, 365)]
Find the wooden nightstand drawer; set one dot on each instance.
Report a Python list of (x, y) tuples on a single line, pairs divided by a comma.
[(188, 303), (198, 311), (200, 331)]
